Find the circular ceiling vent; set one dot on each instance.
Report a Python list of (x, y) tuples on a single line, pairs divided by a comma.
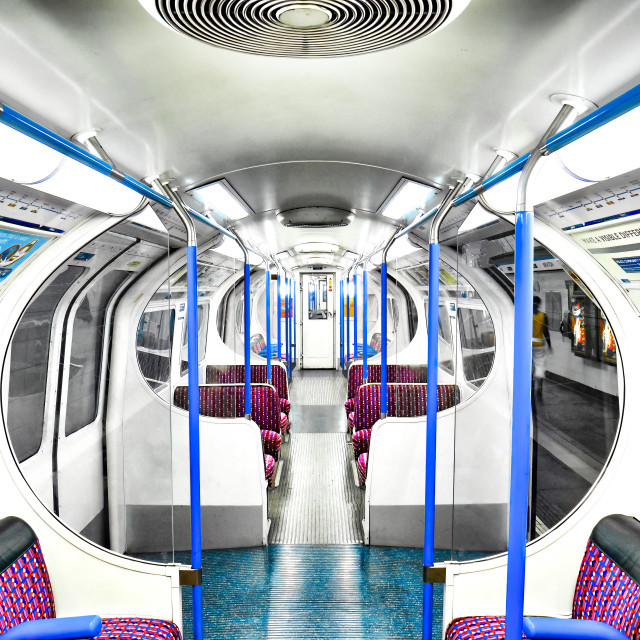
[(321, 28)]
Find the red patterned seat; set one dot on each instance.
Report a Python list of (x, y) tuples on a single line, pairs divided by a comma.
[(25, 590), (403, 401), (234, 373), (227, 401), (607, 589), (367, 407), (269, 468), (361, 463), (361, 441), (406, 373), (271, 442)]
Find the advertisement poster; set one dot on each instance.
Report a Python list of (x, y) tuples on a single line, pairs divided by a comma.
[(607, 342), (15, 248)]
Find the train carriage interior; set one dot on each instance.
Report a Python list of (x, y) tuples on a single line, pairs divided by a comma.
[(318, 319)]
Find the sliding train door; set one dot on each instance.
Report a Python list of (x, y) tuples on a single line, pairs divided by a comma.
[(318, 324)]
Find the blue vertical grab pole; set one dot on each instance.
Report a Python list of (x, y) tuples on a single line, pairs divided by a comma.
[(268, 297), (194, 434), (194, 403), (289, 315), (432, 411), (432, 408), (279, 314), (247, 338), (383, 330), (347, 318), (286, 322), (521, 410), (295, 321), (364, 325), (341, 324), (355, 315)]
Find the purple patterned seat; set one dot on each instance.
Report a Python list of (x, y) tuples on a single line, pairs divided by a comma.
[(271, 442), (361, 441), (25, 590), (227, 401), (361, 463), (403, 401), (404, 373), (221, 374), (269, 468), (607, 589), (367, 407)]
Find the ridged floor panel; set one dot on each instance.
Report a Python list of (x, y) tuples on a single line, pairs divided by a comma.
[(317, 501), (295, 592), (319, 388)]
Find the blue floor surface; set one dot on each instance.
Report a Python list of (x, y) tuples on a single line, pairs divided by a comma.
[(284, 592)]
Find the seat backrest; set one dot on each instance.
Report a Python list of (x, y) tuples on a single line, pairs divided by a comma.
[(608, 586), (404, 401), (25, 590), (410, 400), (227, 401), (403, 373), (408, 373), (234, 373), (355, 380), (367, 409)]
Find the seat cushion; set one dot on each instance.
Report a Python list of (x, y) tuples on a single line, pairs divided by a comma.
[(361, 441), (361, 463), (476, 628), (271, 442), (138, 629), (349, 406), (285, 405), (269, 468), (284, 423), (351, 420)]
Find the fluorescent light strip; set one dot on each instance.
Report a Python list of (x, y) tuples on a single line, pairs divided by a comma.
[(220, 198), (408, 199)]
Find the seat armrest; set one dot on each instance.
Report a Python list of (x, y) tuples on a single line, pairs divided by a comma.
[(71, 628), (570, 629)]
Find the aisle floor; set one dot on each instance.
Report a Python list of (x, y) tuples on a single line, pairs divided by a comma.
[(287, 592)]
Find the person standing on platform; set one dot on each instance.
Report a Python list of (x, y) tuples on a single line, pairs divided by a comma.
[(540, 335)]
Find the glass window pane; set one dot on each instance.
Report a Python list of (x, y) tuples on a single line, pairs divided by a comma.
[(153, 347), (86, 352), (29, 362), (203, 323), (478, 343)]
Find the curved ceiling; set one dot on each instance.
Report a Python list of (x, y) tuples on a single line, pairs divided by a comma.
[(432, 108)]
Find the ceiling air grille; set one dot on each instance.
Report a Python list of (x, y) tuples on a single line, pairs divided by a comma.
[(301, 29)]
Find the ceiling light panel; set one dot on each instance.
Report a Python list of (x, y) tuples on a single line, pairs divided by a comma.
[(316, 247), (220, 198), (408, 199)]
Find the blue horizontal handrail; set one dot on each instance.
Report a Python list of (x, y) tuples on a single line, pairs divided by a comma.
[(610, 111), (20, 122), (504, 173)]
